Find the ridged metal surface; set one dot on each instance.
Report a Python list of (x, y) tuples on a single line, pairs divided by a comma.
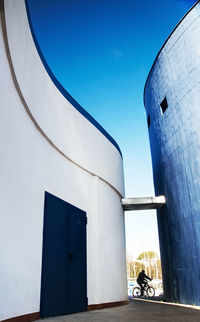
[(175, 148)]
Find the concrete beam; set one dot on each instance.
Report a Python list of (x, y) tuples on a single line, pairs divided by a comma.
[(143, 203)]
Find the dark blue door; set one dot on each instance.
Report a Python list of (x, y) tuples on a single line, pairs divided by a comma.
[(64, 281)]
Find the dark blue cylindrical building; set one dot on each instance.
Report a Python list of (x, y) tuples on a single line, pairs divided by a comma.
[(172, 102)]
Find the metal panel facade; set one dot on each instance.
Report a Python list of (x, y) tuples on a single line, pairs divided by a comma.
[(175, 147)]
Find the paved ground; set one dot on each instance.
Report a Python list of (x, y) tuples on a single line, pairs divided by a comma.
[(136, 310)]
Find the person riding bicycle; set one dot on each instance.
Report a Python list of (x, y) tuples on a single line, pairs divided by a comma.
[(142, 280)]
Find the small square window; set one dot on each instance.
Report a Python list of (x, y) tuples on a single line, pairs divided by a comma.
[(149, 121), (164, 105)]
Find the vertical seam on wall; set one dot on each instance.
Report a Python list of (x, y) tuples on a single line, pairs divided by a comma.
[(17, 87)]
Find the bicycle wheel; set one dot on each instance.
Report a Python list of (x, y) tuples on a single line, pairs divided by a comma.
[(150, 291), (136, 292)]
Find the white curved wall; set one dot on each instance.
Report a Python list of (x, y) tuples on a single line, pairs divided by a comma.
[(55, 115), (29, 165)]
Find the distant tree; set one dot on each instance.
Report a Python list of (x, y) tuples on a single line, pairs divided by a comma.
[(149, 261), (133, 267), (150, 254), (152, 264)]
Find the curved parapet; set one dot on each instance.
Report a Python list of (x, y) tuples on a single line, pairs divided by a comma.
[(63, 121), (171, 96), (63, 90), (53, 153)]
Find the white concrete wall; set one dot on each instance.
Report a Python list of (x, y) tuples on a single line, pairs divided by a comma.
[(29, 165), (55, 115)]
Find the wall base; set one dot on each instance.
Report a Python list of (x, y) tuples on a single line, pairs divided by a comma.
[(36, 316), (101, 306), (24, 318)]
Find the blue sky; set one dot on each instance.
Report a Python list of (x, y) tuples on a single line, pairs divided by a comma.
[(101, 51)]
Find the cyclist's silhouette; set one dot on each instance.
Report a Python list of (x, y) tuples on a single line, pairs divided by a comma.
[(142, 280)]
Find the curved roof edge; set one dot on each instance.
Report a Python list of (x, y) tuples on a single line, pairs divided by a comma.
[(164, 46), (63, 91)]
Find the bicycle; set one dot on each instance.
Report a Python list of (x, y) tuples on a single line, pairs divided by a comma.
[(149, 291)]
